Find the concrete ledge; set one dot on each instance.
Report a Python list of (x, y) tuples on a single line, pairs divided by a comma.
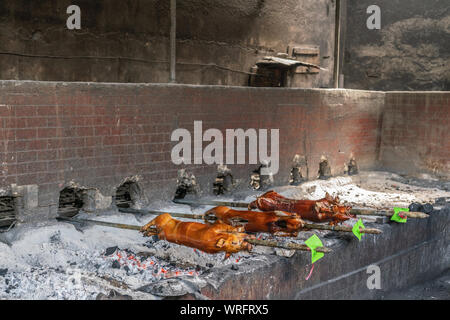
[(406, 254)]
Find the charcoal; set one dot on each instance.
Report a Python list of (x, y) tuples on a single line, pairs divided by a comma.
[(427, 208), (115, 265), (441, 200), (415, 207), (113, 295), (109, 251), (234, 267), (3, 272)]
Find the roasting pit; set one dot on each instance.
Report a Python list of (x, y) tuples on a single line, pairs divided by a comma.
[(80, 261)]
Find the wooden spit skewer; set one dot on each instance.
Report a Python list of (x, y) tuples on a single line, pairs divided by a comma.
[(202, 217), (372, 212), (267, 243), (289, 246), (355, 211)]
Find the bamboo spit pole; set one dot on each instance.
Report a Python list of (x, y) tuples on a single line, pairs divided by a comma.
[(211, 203), (102, 223), (365, 212), (203, 217), (266, 243), (289, 246), (173, 214)]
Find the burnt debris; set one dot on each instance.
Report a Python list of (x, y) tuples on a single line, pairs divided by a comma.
[(352, 167), (418, 207), (299, 171), (255, 179), (224, 181), (186, 184), (260, 181), (324, 169)]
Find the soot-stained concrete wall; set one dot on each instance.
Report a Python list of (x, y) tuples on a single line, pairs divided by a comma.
[(96, 135), (130, 39), (410, 52), (415, 134)]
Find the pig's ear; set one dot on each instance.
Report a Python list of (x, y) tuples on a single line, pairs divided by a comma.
[(220, 243), (317, 207)]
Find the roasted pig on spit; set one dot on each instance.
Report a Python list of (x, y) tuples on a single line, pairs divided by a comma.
[(327, 209), (210, 238), (279, 223)]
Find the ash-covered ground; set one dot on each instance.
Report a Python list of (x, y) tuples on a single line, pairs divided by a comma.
[(59, 260)]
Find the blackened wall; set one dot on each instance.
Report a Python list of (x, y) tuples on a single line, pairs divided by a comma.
[(127, 40), (410, 52), (416, 136)]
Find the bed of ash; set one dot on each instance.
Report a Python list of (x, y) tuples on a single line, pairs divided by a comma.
[(58, 260)]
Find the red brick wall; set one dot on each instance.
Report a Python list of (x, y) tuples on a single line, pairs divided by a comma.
[(99, 134), (416, 132)]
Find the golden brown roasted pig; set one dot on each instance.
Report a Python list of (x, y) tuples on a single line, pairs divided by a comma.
[(279, 223), (323, 210), (210, 238)]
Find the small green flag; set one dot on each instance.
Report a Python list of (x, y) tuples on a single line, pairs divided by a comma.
[(396, 217), (314, 242), (356, 229)]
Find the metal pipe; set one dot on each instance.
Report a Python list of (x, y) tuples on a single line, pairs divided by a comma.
[(173, 38), (337, 43)]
